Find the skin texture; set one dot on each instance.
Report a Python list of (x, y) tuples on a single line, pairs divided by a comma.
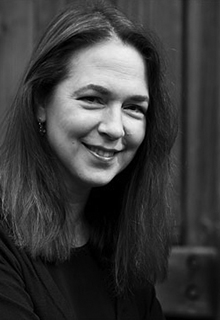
[(95, 119)]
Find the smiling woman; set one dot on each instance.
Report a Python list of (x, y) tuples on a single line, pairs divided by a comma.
[(92, 123), (84, 171)]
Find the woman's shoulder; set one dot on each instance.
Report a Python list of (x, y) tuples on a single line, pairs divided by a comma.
[(6, 241), (9, 252)]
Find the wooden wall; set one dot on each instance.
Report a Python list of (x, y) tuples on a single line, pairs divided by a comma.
[(189, 30)]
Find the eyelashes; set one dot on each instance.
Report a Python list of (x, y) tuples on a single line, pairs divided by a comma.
[(135, 109), (92, 99)]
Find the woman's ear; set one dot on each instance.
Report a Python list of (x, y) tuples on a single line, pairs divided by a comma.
[(41, 114)]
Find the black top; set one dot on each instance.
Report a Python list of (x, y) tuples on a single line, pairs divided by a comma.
[(74, 290), (83, 283)]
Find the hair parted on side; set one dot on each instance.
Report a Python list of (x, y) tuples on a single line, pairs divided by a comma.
[(129, 217)]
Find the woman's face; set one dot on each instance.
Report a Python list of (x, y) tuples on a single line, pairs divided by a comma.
[(95, 119)]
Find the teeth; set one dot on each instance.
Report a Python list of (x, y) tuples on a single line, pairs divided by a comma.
[(102, 153)]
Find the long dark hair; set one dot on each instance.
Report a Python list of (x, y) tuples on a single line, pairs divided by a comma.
[(129, 217)]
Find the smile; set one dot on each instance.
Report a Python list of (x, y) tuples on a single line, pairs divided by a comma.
[(101, 153)]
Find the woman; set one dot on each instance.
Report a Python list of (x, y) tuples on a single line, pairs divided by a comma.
[(84, 172)]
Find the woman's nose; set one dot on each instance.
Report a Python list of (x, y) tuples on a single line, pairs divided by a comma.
[(111, 124)]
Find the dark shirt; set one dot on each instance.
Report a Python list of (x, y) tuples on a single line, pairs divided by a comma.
[(73, 290), (82, 281)]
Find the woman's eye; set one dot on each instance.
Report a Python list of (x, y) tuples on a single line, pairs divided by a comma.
[(91, 99), (135, 110)]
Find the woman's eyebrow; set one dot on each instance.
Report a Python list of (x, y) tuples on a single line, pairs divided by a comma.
[(95, 87), (139, 98)]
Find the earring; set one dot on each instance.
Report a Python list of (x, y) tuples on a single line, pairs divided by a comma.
[(42, 127)]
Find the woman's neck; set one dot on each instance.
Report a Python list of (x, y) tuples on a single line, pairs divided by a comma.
[(75, 206)]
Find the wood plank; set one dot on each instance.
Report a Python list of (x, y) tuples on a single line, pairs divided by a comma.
[(191, 288), (16, 45), (217, 159), (44, 12), (165, 18), (201, 121)]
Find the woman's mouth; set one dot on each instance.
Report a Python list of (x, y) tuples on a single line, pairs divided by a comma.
[(101, 152)]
